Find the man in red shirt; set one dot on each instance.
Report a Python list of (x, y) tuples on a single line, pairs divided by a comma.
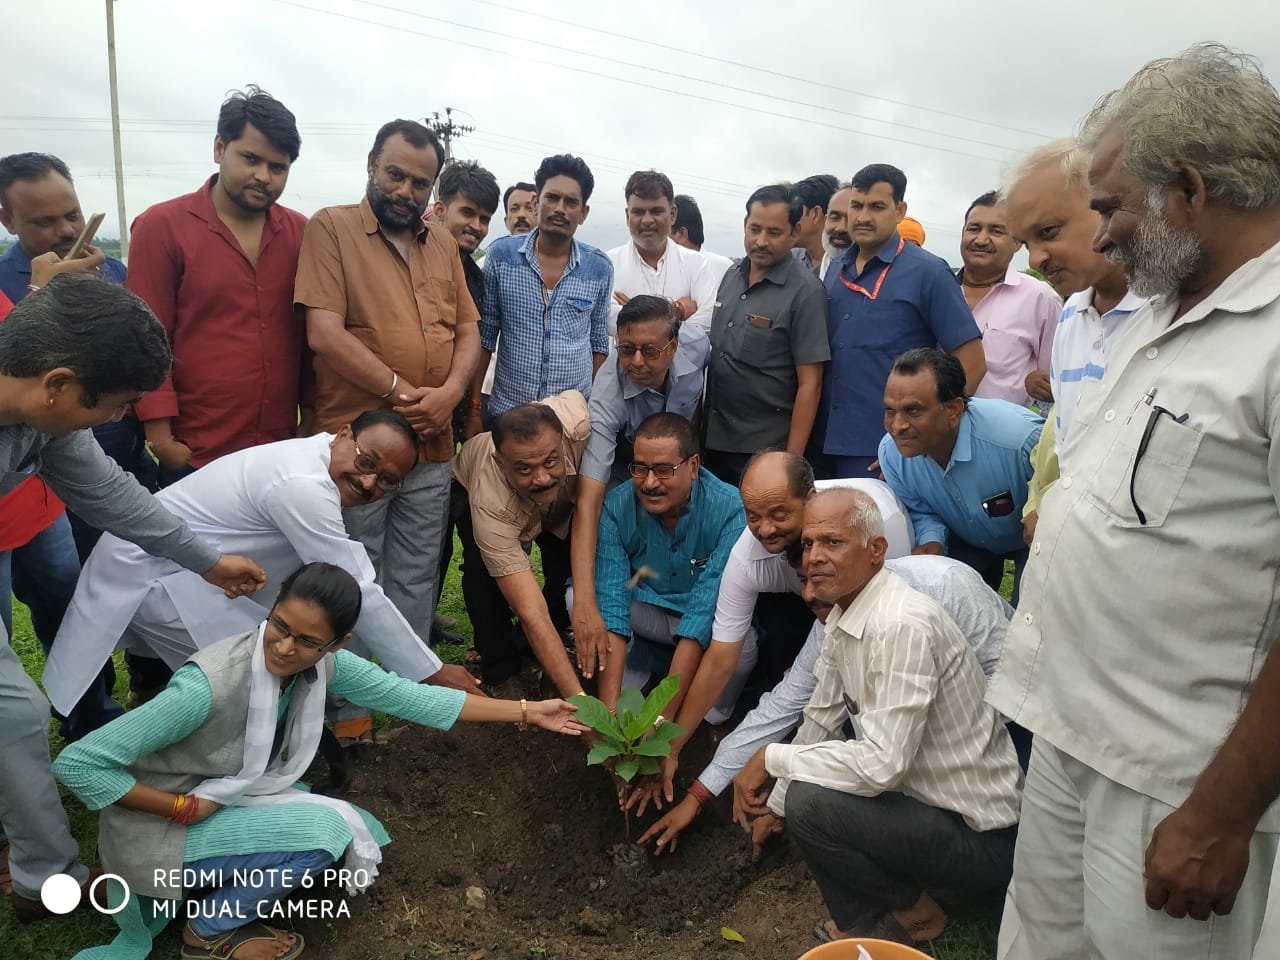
[(217, 268)]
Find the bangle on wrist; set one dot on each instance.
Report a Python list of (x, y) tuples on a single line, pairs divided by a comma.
[(477, 406), (395, 382), (33, 288), (524, 715)]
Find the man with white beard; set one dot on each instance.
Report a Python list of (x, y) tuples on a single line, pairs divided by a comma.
[(1142, 655)]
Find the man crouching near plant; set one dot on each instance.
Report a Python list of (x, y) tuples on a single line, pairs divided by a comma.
[(901, 786)]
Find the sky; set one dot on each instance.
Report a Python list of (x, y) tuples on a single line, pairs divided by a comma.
[(723, 97)]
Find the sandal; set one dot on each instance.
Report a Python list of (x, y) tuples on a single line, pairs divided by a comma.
[(225, 946), (821, 933)]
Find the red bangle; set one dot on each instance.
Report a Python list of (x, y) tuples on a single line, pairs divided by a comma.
[(700, 793)]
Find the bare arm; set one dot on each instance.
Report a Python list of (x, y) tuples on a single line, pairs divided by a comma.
[(328, 336), (591, 638), (715, 667), (684, 664), (808, 393), (522, 592), (974, 362), (597, 359)]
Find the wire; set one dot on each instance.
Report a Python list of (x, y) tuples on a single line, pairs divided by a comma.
[(756, 68), (637, 83), (682, 76)]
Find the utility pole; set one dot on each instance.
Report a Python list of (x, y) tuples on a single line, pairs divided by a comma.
[(115, 130), (447, 131)]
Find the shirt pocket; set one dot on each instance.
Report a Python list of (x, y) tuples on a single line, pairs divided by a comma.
[(442, 295), (573, 320), (1171, 449), (764, 346)]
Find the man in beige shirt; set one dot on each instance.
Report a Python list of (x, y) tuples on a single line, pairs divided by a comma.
[(521, 482), (1142, 655), (901, 786), (393, 325)]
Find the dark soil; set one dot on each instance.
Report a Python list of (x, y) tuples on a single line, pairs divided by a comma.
[(520, 816)]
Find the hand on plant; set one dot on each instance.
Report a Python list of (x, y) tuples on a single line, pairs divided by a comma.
[(670, 826), (590, 638), (654, 789), (762, 828), (556, 716), (646, 790), (751, 789)]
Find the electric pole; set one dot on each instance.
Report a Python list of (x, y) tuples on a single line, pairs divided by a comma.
[(115, 130), (447, 131)]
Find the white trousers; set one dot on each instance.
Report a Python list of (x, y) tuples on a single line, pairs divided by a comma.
[(1078, 890)]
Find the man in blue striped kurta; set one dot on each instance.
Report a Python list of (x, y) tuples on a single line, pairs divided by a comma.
[(664, 541)]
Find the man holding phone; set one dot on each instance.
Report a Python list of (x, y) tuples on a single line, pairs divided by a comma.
[(960, 465)]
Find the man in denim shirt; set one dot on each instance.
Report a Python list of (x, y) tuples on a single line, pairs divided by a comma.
[(548, 296)]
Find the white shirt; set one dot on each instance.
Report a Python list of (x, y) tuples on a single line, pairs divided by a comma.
[(1135, 646), (896, 673), (1081, 343), (719, 264), (979, 612), (753, 570), (275, 503), (680, 273)]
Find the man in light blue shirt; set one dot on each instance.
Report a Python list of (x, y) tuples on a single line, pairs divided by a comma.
[(548, 296), (663, 544), (961, 466)]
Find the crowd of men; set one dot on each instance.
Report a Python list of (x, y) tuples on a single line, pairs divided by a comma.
[(795, 477)]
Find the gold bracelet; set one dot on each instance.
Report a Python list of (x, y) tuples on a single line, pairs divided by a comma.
[(524, 712)]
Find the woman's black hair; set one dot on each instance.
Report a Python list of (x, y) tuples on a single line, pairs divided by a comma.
[(331, 589)]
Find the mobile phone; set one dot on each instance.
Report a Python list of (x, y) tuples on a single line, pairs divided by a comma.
[(86, 236)]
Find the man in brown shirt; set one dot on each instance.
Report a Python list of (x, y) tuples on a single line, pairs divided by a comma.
[(392, 325), (521, 481)]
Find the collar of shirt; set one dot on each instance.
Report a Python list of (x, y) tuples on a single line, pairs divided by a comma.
[(853, 621), (371, 225), (1082, 301), (1012, 277), (777, 274), (17, 258), (962, 452), (886, 255), (530, 254), (1254, 285), (202, 208), (640, 262), (15, 272), (681, 366)]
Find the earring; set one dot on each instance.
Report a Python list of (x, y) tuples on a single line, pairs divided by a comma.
[(49, 402)]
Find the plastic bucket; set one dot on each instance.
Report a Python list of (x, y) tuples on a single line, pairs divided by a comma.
[(878, 950)]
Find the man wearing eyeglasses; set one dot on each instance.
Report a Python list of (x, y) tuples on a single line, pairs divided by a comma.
[(663, 544), (283, 504), (657, 366), (960, 466)]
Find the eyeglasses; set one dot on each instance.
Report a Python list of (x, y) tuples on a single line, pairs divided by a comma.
[(1157, 412), (663, 471), (282, 630), (367, 466), (648, 351)]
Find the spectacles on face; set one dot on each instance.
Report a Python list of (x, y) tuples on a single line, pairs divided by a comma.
[(663, 471), (282, 630), (366, 466), (649, 351)]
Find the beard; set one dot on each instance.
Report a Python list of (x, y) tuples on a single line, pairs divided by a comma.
[(392, 212), (1157, 258), (831, 250)]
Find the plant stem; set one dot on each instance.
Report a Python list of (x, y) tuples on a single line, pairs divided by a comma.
[(626, 819)]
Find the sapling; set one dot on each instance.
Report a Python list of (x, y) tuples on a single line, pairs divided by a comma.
[(636, 738)]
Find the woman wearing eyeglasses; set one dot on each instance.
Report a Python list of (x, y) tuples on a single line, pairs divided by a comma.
[(198, 788)]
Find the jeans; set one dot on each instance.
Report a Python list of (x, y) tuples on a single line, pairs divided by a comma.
[(231, 904), (42, 573)]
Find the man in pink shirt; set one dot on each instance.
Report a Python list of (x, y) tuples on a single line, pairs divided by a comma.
[(1016, 313)]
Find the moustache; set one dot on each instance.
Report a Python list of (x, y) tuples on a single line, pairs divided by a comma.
[(542, 489), (648, 492)]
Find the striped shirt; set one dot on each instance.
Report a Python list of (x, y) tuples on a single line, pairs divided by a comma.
[(1080, 346), (547, 345), (896, 669)]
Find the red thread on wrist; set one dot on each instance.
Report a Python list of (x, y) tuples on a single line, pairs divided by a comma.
[(700, 793)]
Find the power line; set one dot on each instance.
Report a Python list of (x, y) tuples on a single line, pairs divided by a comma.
[(755, 110), (756, 68), (682, 76)]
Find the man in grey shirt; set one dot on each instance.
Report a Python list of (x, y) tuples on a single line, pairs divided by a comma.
[(72, 356), (656, 366), (769, 333)]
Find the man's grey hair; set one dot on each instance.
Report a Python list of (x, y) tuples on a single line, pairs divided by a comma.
[(1210, 108), (1066, 153), (864, 515)]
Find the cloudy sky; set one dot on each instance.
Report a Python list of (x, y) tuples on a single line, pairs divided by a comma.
[(721, 96)]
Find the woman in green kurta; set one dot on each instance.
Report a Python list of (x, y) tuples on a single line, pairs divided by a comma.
[(198, 786)]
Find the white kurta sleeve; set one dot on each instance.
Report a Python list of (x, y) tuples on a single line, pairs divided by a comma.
[(310, 517)]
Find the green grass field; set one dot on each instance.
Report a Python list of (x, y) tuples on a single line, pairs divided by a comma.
[(968, 938)]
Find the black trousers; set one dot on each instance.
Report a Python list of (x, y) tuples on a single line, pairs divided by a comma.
[(498, 639), (871, 855), (726, 465)]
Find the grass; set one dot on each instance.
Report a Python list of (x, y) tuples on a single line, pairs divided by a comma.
[(969, 937)]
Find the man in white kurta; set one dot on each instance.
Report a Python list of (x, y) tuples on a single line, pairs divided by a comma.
[(281, 504)]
